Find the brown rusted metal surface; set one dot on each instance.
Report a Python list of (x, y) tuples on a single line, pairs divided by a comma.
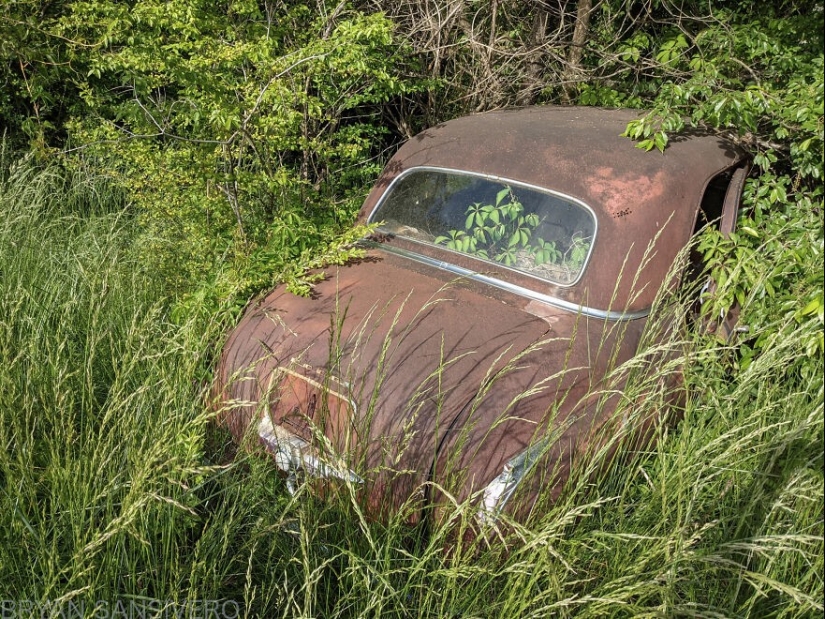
[(411, 374)]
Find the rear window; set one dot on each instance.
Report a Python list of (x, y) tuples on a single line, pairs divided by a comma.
[(521, 227)]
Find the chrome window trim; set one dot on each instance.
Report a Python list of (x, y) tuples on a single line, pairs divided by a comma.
[(508, 181), (590, 312)]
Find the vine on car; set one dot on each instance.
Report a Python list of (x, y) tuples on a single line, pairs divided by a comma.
[(503, 232)]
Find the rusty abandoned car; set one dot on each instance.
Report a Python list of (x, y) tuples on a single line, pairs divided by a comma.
[(518, 256)]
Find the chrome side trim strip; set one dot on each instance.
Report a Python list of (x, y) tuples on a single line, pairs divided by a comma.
[(515, 289)]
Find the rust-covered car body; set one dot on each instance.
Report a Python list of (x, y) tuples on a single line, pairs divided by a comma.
[(432, 364)]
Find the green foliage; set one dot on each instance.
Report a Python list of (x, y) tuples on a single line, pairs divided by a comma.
[(758, 79), (495, 231), (36, 90), (257, 135), (100, 412), (225, 293), (243, 132), (772, 267), (503, 232)]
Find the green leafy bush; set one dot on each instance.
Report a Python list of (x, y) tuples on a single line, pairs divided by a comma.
[(503, 232), (759, 79), (243, 133)]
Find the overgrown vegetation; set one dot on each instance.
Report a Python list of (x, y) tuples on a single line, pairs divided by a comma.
[(503, 231), (164, 161)]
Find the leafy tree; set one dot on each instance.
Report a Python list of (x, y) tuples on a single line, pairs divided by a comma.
[(36, 92), (243, 131), (760, 80)]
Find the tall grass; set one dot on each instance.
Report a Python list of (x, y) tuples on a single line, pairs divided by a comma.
[(723, 516), (113, 484), (100, 417)]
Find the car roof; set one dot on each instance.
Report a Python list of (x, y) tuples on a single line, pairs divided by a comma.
[(637, 196)]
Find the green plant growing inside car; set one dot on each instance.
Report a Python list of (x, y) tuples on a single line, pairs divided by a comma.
[(503, 232)]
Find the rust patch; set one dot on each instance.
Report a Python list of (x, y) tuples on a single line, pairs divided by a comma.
[(617, 191), (547, 313)]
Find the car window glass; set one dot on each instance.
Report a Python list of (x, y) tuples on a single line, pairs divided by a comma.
[(520, 227)]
